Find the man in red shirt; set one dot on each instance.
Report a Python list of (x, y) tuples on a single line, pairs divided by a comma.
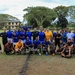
[(8, 47)]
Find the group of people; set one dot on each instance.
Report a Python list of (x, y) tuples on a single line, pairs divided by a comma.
[(41, 41)]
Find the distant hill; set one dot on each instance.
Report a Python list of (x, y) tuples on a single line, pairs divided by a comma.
[(7, 17)]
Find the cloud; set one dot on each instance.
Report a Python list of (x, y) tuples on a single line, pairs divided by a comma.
[(15, 7)]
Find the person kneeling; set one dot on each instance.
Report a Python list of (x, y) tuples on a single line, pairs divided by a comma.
[(28, 45), (37, 46), (45, 45), (8, 48), (66, 51), (19, 47)]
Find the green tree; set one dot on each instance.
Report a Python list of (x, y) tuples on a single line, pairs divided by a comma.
[(61, 10), (62, 22), (71, 12), (39, 15)]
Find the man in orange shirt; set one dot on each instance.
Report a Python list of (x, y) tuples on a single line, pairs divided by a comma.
[(48, 35), (19, 46)]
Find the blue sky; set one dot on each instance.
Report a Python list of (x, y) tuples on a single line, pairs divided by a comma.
[(15, 7)]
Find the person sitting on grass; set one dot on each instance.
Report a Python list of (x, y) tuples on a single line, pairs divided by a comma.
[(8, 48), (60, 48), (28, 45), (52, 48), (19, 47), (67, 51), (45, 45), (37, 46)]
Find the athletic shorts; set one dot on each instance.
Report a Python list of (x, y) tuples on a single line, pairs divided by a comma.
[(66, 52), (10, 39), (14, 43)]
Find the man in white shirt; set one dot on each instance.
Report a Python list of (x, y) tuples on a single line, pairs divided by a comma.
[(70, 35)]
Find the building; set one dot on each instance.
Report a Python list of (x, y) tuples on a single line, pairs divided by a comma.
[(12, 24)]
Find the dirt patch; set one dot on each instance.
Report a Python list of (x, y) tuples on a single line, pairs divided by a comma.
[(11, 64), (51, 65)]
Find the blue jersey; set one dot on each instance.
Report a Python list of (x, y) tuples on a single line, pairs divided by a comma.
[(64, 37), (41, 36), (15, 37), (54, 33), (9, 34), (29, 34), (19, 34), (22, 35), (46, 43), (25, 28), (36, 43), (28, 42)]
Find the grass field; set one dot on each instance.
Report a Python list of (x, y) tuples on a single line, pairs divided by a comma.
[(37, 65)]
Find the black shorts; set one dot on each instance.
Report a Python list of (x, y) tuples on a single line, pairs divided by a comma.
[(66, 52), (60, 50)]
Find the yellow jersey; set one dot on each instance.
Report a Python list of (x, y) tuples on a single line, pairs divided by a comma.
[(18, 45), (48, 35)]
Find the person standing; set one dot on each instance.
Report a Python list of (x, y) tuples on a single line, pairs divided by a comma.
[(9, 35), (57, 39), (35, 34), (29, 34), (70, 35), (48, 35), (41, 36), (4, 37), (15, 37), (23, 35)]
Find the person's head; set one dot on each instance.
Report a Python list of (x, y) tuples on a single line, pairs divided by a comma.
[(66, 45), (4, 30), (47, 30), (19, 40), (36, 39), (69, 40), (57, 31), (60, 41), (35, 29), (41, 30), (69, 31), (15, 30), (28, 29), (27, 38), (61, 31), (9, 28), (19, 29), (22, 30)]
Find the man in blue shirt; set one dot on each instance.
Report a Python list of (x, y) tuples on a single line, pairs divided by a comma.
[(9, 35), (15, 37), (37, 45), (45, 45), (25, 28), (28, 45), (29, 34), (19, 30), (22, 35), (41, 36)]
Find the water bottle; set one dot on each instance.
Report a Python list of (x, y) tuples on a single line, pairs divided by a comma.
[(46, 53)]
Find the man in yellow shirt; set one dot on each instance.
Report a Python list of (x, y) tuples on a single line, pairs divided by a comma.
[(19, 46), (48, 35)]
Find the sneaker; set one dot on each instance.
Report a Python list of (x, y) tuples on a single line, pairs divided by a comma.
[(39, 53), (46, 53)]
